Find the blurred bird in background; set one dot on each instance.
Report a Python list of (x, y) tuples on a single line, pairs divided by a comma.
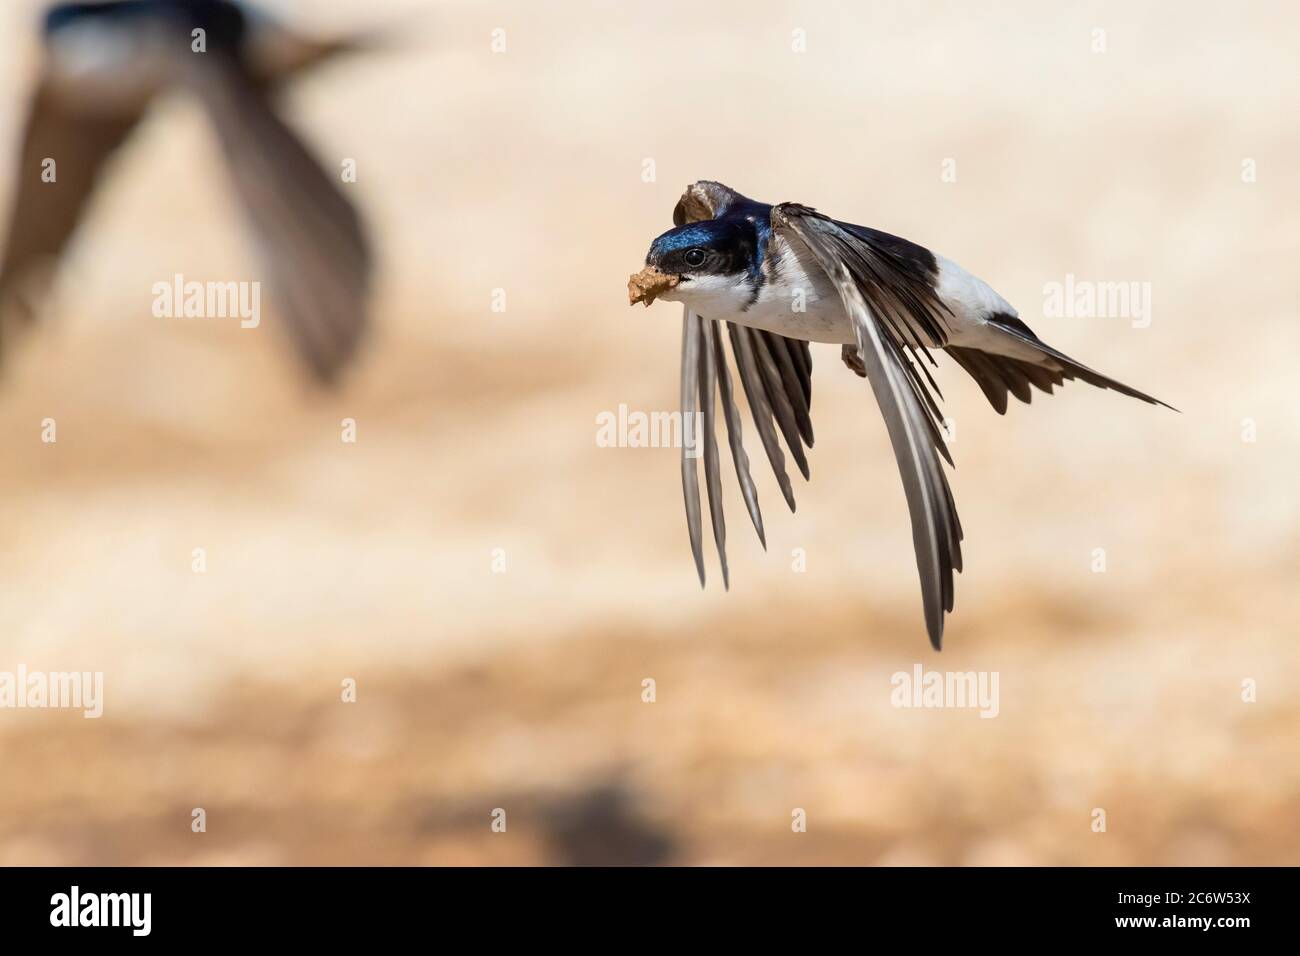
[(783, 276), (104, 65)]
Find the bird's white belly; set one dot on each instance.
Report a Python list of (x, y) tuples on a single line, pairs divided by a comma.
[(815, 319)]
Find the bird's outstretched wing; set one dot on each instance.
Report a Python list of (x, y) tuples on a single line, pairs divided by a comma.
[(887, 310), (309, 234), (50, 199), (776, 376)]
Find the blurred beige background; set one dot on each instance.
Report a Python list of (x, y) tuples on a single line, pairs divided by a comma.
[(521, 690)]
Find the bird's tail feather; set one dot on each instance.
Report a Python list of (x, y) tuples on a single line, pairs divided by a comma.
[(999, 374)]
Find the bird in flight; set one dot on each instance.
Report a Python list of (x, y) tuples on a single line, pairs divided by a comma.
[(780, 277), (104, 65)]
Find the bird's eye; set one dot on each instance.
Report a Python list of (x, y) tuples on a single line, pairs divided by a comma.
[(695, 257)]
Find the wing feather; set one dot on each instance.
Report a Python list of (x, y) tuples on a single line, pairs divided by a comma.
[(310, 234), (793, 383), (690, 391), (776, 376), (712, 480), (779, 399), (760, 408), (731, 416), (801, 357), (45, 214), (862, 278)]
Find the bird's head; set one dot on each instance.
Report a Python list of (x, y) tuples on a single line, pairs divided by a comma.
[(703, 264)]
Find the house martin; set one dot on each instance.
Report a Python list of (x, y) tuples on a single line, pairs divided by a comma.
[(104, 65), (779, 277)]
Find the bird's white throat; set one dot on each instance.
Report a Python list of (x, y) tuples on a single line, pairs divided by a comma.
[(791, 301), (713, 295)]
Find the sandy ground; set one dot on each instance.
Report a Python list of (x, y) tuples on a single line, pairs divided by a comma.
[(499, 586)]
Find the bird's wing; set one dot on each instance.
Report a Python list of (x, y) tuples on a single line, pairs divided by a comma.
[(886, 311), (776, 376), (308, 232), (45, 214)]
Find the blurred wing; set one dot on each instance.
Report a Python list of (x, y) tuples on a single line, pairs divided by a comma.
[(886, 315), (45, 214), (308, 232)]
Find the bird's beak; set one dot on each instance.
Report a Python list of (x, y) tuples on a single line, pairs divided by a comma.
[(648, 284)]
